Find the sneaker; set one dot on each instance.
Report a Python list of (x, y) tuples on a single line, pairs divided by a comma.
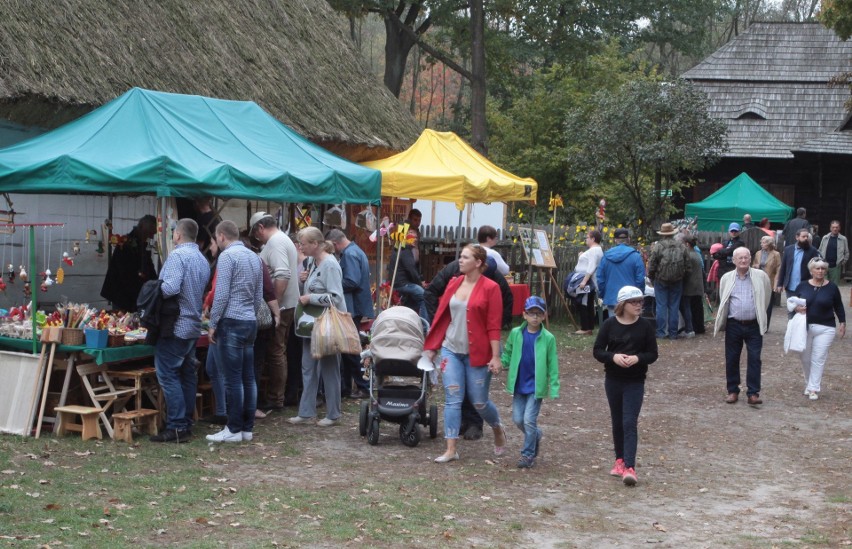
[(325, 422), (296, 420), (629, 477), (687, 335), (812, 395), (247, 436), (806, 393), (172, 435), (618, 468), (526, 462), (225, 435)]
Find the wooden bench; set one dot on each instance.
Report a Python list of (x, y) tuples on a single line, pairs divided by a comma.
[(124, 421), (89, 416)]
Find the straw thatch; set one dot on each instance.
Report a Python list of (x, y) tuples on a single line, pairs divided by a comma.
[(61, 58)]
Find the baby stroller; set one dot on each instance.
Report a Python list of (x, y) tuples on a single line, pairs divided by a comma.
[(395, 347)]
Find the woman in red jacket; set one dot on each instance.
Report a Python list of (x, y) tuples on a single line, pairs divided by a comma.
[(466, 328)]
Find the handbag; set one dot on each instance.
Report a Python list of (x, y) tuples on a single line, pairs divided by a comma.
[(304, 318), (334, 333), (264, 316)]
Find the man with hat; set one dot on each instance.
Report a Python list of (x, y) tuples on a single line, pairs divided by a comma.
[(726, 254), (621, 266), (668, 264), (279, 254)]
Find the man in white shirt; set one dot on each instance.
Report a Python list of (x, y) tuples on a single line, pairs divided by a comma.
[(487, 238)]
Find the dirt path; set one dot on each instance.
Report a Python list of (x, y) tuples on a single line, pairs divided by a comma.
[(710, 474)]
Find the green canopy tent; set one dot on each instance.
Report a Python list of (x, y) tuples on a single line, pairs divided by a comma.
[(173, 145), (740, 196)]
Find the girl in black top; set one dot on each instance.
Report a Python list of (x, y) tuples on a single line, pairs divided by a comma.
[(626, 344), (823, 304)]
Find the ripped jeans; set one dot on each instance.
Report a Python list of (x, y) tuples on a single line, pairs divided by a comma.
[(460, 377)]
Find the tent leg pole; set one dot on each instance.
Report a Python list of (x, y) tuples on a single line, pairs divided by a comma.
[(458, 235)]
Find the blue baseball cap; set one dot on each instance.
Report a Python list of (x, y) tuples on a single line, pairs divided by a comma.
[(734, 227), (535, 302)]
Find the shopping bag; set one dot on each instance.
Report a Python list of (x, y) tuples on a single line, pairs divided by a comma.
[(334, 333), (304, 318)]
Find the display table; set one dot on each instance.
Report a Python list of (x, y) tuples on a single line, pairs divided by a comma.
[(520, 293)]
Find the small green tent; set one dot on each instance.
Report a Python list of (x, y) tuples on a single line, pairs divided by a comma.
[(740, 196), (173, 145)]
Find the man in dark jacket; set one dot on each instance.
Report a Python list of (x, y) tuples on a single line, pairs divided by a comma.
[(794, 264), (471, 423), (408, 281), (726, 254), (791, 229), (130, 266)]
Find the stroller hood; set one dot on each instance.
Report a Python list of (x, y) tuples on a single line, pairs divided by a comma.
[(397, 334)]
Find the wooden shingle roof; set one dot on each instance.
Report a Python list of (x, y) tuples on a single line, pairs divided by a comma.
[(770, 85)]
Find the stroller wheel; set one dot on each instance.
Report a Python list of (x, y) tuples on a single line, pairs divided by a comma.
[(363, 417), (409, 437), (433, 421), (373, 432)]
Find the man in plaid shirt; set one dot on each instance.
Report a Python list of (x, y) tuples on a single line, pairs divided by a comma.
[(184, 274)]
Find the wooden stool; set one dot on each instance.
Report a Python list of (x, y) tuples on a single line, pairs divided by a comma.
[(123, 423), (89, 416)]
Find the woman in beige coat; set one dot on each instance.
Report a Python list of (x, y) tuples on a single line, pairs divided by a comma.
[(768, 260)]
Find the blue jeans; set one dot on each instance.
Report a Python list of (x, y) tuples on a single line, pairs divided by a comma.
[(668, 302), (525, 409), (625, 402), (735, 335), (217, 380), (460, 378), (235, 353), (174, 360), (414, 292)]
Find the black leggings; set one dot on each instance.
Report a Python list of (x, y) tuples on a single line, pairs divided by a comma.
[(587, 312), (625, 401)]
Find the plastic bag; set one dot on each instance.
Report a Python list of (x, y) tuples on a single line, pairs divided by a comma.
[(335, 217), (366, 220), (334, 333)]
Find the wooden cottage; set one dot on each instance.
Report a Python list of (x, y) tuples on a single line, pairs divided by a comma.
[(62, 58), (788, 128)]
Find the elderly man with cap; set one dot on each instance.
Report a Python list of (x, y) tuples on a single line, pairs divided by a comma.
[(279, 254), (621, 266), (668, 265)]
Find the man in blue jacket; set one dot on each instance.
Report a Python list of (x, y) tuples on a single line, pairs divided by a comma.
[(621, 266), (359, 302)]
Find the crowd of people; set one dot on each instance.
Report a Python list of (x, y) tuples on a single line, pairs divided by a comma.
[(265, 275)]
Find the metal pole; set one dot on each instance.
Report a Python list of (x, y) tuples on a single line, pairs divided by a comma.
[(458, 236)]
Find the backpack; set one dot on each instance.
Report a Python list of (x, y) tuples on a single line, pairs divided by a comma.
[(672, 261)]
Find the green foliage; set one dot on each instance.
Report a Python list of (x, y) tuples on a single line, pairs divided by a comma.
[(837, 15), (633, 143)]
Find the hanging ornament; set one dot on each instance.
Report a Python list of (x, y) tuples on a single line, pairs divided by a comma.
[(100, 248), (60, 275), (49, 281), (23, 274), (43, 287), (2, 285), (27, 291), (68, 261), (47, 272), (76, 248), (10, 272)]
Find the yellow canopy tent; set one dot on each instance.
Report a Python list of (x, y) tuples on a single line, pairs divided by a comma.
[(441, 166)]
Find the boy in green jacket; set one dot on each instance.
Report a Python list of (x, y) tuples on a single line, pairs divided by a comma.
[(530, 357)]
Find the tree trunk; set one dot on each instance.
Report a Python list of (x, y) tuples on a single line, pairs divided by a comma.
[(479, 130), (398, 44)]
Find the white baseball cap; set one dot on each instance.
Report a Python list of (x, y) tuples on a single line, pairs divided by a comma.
[(629, 292)]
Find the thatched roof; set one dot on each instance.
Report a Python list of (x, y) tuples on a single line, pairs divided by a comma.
[(771, 86), (61, 58)]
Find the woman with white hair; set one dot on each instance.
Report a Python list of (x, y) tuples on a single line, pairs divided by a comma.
[(823, 303), (768, 260)]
